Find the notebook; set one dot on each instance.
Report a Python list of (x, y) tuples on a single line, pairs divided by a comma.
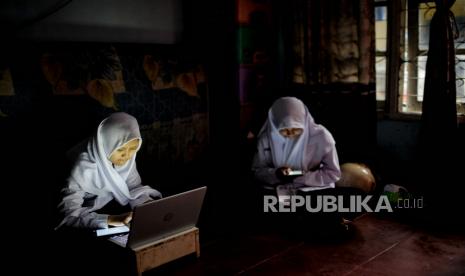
[(159, 219)]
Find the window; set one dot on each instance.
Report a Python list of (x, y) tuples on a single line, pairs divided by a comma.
[(381, 45), (399, 90)]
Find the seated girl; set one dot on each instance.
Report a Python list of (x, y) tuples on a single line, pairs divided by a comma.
[(105, 171)]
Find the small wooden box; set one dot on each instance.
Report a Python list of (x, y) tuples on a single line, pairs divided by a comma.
[(168, 249)]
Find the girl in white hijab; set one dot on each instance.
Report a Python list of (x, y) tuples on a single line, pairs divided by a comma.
[(291, 140), (106, 170)]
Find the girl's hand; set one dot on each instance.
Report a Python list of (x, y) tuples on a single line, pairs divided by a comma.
[(282, 173), (120, 220)]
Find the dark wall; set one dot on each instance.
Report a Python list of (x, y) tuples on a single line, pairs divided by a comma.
[(348, 111), (210, 31), (397, 146)]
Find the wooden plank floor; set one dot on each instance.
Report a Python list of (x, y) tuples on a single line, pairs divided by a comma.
[(378, 246)]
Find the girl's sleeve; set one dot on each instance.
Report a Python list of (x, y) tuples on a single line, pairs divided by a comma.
[(76, 207), (326, 174), (140, 193)]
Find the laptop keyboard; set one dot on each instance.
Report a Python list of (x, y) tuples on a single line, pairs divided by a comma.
[(120, 239)]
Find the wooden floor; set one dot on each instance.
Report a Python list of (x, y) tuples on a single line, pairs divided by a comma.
[(236, 238), (377, 246)]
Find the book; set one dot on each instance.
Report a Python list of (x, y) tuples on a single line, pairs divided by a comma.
[(111, 231)]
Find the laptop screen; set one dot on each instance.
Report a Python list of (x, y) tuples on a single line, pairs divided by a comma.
[(161, 218)]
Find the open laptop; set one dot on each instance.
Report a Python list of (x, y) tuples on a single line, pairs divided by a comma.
[(159, 219)]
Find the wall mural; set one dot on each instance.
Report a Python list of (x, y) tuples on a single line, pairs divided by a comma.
[(166, 74), (180, 139), (82, 83), (93, 71), (6, 84)]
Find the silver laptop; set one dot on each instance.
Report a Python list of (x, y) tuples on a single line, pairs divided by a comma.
[(162, 218)]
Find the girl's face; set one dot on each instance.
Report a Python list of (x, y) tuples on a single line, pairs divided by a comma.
[(291, 132), (123, 154)]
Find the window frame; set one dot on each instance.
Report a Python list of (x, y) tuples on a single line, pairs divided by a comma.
[(393, 58), (383, 3)]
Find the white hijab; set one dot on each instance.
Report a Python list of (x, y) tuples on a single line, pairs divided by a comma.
[(95, 172), (290, 112)]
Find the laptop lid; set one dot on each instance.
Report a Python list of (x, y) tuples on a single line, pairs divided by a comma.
[(159, 219)]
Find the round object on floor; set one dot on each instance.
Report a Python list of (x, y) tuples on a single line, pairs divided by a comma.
[(355, 175)]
